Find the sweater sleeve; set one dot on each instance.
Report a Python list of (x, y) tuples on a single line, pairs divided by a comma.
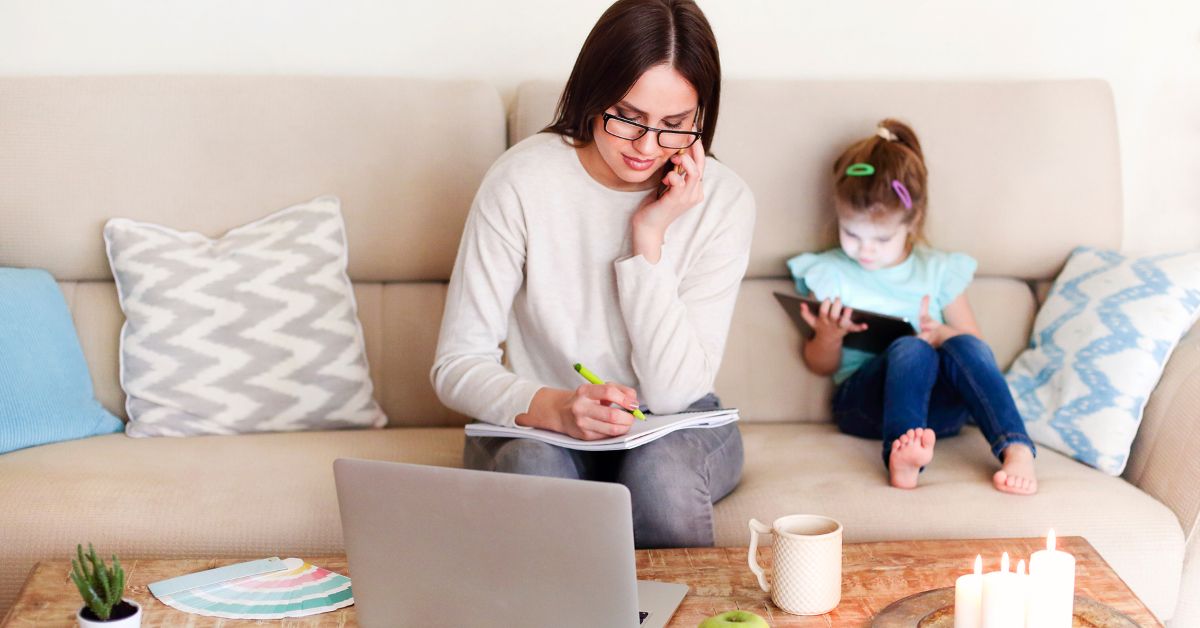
[(467, 373), (678, 325)]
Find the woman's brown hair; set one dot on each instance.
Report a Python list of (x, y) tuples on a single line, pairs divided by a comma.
[(631, 37), (895, 153)]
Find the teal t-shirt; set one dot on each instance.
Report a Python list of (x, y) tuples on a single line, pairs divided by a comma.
[(896, 291)]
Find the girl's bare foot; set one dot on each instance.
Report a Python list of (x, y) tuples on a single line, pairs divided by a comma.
[(910, 452), (1016, 475)]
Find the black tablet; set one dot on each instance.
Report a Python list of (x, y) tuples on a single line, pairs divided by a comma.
[(881, 329)]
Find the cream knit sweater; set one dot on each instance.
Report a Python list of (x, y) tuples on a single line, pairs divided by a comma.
[(545, 267)]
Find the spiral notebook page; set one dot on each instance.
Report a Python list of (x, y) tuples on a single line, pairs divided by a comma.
[(654, 427)]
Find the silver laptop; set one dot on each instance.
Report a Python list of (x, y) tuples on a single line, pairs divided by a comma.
[(436, 546)]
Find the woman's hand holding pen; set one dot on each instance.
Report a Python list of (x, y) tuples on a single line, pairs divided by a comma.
[(684, 191), (588, 413), (832, 321)]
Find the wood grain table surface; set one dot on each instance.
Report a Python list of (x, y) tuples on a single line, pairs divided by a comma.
[(873, 576)]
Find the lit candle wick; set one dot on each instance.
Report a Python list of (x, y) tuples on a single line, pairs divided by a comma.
[(1004, 562), (978, 564)]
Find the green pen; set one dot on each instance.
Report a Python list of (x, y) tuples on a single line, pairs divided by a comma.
[(591, 377)]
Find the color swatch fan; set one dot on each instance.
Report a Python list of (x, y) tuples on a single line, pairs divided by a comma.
[(296, 589)]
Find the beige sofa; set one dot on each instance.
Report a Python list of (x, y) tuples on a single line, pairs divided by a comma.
[(1021, 174)]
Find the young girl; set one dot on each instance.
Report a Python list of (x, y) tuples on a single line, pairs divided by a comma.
[(922, 387)]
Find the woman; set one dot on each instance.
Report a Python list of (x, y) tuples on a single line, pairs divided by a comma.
[(571, 255)]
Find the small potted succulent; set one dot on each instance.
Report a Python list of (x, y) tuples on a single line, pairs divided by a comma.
[(101, 588)]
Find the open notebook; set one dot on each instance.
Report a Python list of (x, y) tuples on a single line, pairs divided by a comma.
[(653, 428)]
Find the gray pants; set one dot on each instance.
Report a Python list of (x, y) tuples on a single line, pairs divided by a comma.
[(674, 481)]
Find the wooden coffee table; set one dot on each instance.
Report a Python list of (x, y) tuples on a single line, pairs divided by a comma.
[(873, 576)]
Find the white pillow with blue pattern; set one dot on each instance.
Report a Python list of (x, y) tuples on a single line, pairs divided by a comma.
[(1099, 346)]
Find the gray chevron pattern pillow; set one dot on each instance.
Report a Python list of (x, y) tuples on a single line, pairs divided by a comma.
[(256, 331)]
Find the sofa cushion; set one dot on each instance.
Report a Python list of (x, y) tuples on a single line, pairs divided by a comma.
[(203, 153), (400, 324), (815, 469), (255, 331)]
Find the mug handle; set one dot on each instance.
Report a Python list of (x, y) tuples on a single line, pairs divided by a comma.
[(756, 528)]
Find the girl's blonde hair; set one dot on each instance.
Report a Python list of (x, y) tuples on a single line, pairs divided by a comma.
[(895, 154)]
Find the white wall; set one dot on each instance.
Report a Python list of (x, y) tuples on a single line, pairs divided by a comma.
[(1149, 51)]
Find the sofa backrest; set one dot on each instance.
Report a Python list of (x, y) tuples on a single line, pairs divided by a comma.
[(1020, 174)]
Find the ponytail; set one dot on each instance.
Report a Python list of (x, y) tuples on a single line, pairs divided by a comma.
[(896, 131)]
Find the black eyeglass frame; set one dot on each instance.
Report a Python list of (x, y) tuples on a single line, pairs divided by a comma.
[(695, 135)]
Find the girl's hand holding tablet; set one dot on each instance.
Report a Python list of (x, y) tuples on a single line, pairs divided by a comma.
[(832, 321)]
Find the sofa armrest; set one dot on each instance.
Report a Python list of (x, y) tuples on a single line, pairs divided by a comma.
[(1164, 460), (1165, 464)]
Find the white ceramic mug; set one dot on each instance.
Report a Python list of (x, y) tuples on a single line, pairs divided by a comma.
[(807, 570)]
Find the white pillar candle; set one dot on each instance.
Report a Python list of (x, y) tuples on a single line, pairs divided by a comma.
[(968, 598), (1003, 604), (1051, 588)]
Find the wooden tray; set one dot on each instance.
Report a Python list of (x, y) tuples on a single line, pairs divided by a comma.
[(935, 609)]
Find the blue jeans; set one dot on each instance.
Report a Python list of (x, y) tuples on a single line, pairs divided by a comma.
[(913, 385), (674, 481)]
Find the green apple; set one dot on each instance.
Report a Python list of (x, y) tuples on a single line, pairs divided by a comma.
[(735, 619)]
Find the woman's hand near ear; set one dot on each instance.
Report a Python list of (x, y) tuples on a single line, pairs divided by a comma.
[(650, 221)]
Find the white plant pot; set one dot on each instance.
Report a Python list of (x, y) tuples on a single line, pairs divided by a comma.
[(133, 621)]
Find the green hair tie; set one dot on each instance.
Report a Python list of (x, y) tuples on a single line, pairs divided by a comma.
[(860, 170)]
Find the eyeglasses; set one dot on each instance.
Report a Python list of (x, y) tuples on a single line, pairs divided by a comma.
[(627, 129)]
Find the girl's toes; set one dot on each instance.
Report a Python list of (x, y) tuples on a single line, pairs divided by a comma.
[(1000, 479)]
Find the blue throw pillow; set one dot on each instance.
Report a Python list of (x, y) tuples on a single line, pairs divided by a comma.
[(45, 388), (1099, 345)]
